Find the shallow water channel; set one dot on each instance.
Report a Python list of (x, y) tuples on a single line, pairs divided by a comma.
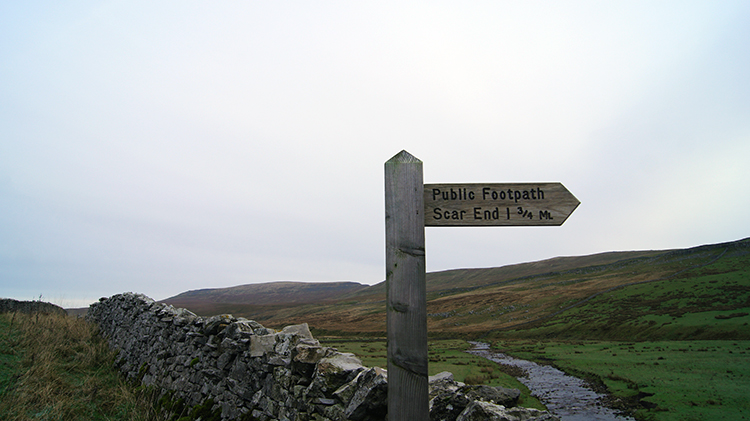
[(566, 396)]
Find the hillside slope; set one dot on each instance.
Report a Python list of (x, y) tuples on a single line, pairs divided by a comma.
[(576, 296)]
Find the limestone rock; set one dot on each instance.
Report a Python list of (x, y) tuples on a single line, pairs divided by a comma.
[(447, 405), (301, 331), (497, 395), (260, 345), (442, 382), (443, 376), (215, 324), (485, 411), (305, 357), (370, 399), (448, 398), (333, 372), (239, 329)]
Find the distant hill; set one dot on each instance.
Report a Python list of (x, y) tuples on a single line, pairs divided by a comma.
[(251, 298), (686, 293), (265, 294), (9, 305)]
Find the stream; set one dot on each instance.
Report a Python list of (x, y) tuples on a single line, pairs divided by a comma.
[(565, 396)]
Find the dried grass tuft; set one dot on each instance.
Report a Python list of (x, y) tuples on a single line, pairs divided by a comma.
[(65, 373)]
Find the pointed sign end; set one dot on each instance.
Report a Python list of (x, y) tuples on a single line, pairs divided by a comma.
[(404, 157)]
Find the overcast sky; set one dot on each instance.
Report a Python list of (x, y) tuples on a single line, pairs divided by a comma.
[(159, 147)]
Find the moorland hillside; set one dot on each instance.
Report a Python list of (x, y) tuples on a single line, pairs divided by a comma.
[(701, 293)]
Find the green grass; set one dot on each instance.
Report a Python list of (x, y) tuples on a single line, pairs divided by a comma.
[(55, 367), (444, 355), (10, 356), (684, 380), (707, 302)]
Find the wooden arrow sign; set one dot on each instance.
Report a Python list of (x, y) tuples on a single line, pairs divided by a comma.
[(509, 204)]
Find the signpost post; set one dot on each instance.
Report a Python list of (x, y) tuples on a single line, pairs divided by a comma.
[(406, 300), (411, 205)]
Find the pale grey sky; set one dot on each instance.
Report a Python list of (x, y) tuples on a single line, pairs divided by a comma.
[(158, 147)]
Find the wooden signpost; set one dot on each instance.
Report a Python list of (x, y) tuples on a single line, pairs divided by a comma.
[(512, 204), (410, 205), (406, 301)]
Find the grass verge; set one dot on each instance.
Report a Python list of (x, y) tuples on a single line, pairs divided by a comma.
[(55, 367)]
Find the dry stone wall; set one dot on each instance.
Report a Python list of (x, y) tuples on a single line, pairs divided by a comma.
[(237, 369)]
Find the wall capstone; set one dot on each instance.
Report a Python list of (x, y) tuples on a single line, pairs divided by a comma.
[(246, 371)]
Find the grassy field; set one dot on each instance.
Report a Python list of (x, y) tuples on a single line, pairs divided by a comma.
[(672, 380), (55, 367)]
